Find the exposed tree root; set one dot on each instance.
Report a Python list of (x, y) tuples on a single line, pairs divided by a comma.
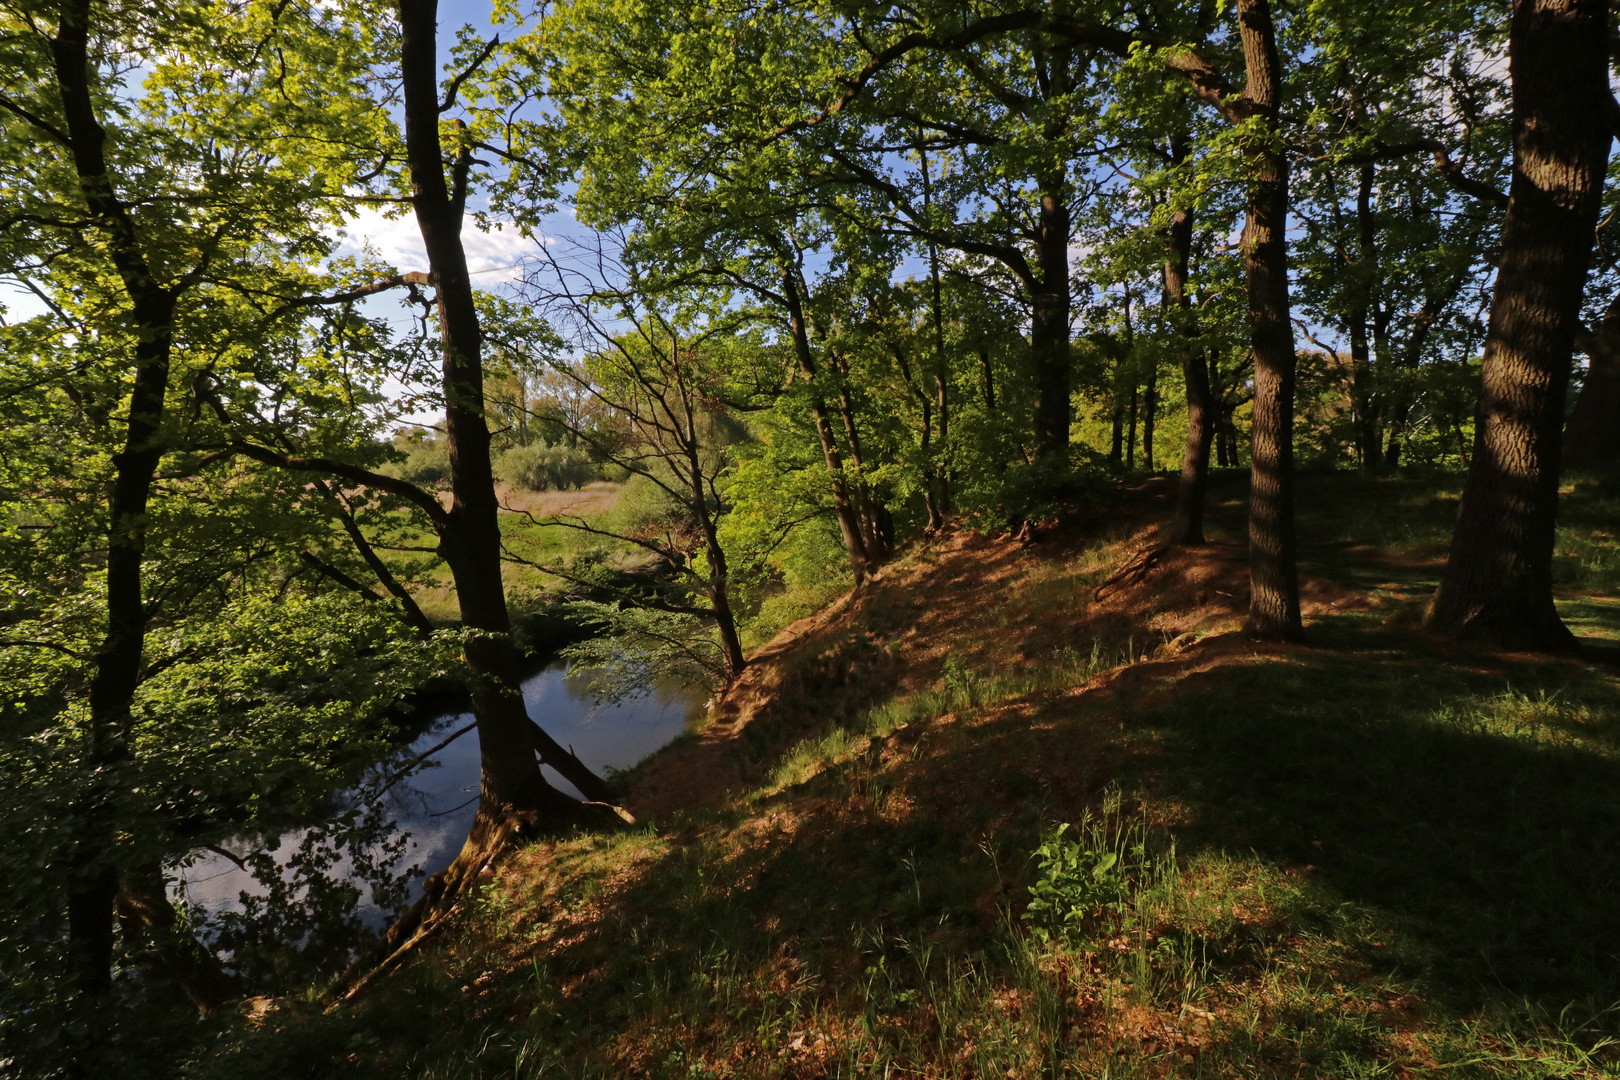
[(1134, 571), (495, 832)]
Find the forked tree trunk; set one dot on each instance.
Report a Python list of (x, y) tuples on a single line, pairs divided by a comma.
[(1188, 524), (92, 869), (1273, 579), (1497, 585)]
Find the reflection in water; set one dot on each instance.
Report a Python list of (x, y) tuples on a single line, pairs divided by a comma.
[(436, 805)]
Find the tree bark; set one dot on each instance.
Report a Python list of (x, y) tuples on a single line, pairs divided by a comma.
[(1273, 579), (1497, 585), (1188, 525), (1592, 436), (938, 482), (514, 798), (849, 524), (1400, 405), (1150, 408), (92, 877), (1363, 409), (1049, 324)]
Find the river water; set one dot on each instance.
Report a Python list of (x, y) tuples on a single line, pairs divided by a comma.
[(436, 805)]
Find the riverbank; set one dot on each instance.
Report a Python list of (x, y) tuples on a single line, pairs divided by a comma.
[(1374, 854)]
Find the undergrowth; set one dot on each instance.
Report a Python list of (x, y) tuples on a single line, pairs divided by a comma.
[(1373, 857)]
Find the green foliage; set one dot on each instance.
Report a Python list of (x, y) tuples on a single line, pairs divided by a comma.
[(425, 461), (637, 648), (1074, 884), (538, 467)]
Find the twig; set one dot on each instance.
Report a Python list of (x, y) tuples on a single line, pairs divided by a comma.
[(410, 766)]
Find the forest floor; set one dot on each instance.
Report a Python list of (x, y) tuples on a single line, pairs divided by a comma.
[(1374, 854)]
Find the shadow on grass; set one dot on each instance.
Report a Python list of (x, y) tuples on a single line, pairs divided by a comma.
[(1468, 799)]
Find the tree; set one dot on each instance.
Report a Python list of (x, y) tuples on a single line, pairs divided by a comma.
[(1497, 585), (136, 261)]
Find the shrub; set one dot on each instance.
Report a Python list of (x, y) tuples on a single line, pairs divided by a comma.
[(539, 467)]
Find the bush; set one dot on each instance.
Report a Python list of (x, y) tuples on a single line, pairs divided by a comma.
[(427, 458), (538, 467)]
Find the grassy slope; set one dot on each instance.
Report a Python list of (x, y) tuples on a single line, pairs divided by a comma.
[(1374, 855)]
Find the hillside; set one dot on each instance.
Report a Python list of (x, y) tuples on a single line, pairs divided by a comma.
[(1371, 855)]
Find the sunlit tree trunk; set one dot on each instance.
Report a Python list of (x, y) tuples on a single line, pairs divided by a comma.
[(1273, 579), (1497, 585), (849, 524)]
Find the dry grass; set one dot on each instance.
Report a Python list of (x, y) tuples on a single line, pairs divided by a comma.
[(1375, 855)]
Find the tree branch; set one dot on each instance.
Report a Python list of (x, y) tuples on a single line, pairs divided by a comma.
[(449, 101), (424, 500)]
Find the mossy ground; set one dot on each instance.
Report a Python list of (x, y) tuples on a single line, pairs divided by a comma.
[(1376, 854)]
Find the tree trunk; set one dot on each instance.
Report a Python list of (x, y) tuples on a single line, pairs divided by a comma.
[(1423, 324), (1049, 324), (1592, 436), (939, 483), (860, 489), (514, 797), (1130, 426), (1497, 585), (1188, 525), (1368, 454), (843, 508), (1273, 579), (725, 620), (1150, 407), (92, 868)]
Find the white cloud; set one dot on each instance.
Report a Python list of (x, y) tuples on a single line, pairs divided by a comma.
[(493, 257)]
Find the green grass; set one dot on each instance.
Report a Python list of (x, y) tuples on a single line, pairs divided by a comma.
[(1376, 856)]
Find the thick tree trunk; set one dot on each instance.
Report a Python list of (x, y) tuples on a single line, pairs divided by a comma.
[(1592, 436), (514, 797), (1188, 524), (1497, 585), (92, 868), (1273, 579)]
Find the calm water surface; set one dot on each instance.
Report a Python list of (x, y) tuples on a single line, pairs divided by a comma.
[(437, 804)]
